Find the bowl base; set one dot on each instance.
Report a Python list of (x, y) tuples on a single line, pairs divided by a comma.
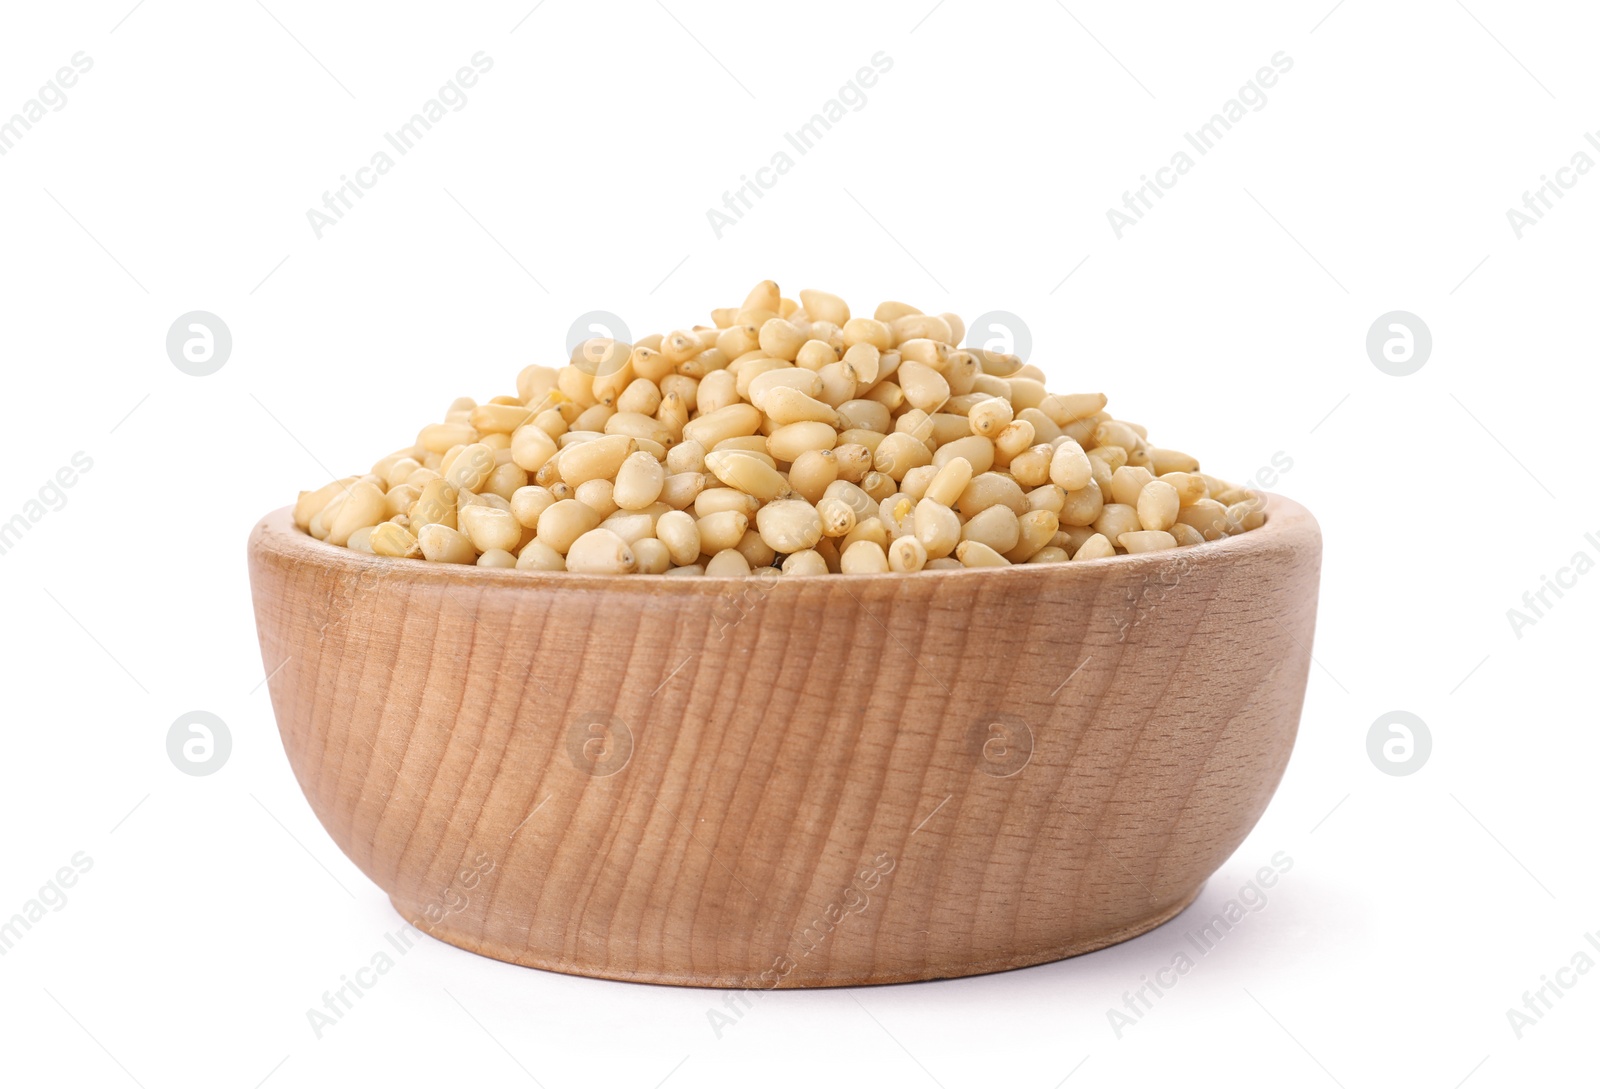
[(529, 958)]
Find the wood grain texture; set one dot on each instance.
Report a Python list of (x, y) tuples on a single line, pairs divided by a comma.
[(809, 782)]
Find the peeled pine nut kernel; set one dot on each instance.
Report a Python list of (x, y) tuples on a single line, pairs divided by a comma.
[(1147, 540), (864, 557), (600, 552), (808, 562), (789, 525), (1097, 547), (441, 544), (978, 554), (489, 528), (1157, 505), (389, 539), (788, 434)]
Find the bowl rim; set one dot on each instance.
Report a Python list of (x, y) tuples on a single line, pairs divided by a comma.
[(1287, 523)]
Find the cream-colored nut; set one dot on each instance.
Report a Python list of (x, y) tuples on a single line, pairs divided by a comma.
[(600, 552), (1157, 505), (789, 525), (441, 544)]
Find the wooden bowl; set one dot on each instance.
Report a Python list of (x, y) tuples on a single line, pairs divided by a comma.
[(790, 782)]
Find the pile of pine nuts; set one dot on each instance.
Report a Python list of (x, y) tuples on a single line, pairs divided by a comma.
[(788, 434)]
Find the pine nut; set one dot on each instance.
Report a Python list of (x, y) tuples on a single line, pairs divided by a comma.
[(680, 534), (730, 422), (1147, 540), (1157, 505), (977, 450), (728, 563), (924, 387), (1070, 468), (1170, 461), (859, 501), (747, 473), (907, 554), (812, 472), (922, 326), (854, 460), (930, 353), (489, 528), (899, 453), (835, 516), (867, 529), (1050, 497), (865, 362), (978, 554), (596, 495), (864, 415), (864, 557), (950, 481), (311, 504), (821, 306), (757, 553), (1208, 516), (1097, 547), (989, 416), (362, 506), (563, 522), (389, 539), (1242, 516), (867, 331), (878, 485), (781, 339), (914, 485), (717, 390), (505, 480), (530, 502), (1127, 483), (795, 378), (631, 525), (990, 489), (441, 544), (1036, 529), (639, 481), (1191, 487), (538, 556), (681, 489), (435, 506), (1117, 519), (1082, 507), (497, 557), (650, 556), (997, 527), (600, 552), (1072, 538), (715, 500), (791, 440), (807, 562), (437, 438), (936, 526), (596, 459), (787, 405), (721, 530), (1013, 439), (789, 525)]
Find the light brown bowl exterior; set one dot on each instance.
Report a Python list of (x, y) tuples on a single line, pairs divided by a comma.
[(791, 783)]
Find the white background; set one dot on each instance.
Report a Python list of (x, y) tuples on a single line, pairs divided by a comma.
[(1231, 321)]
